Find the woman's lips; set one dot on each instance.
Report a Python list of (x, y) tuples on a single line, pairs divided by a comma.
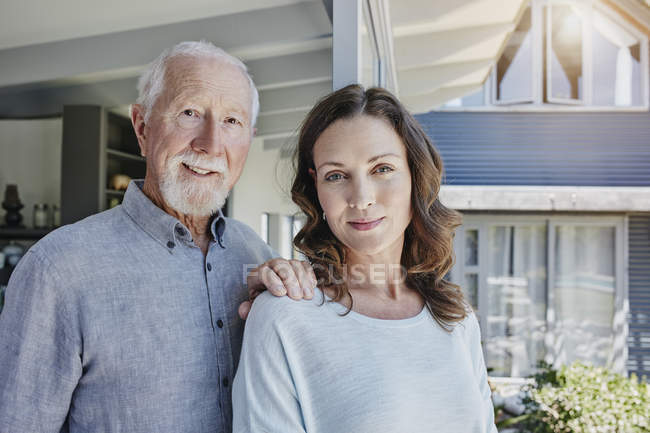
[(366, 225)]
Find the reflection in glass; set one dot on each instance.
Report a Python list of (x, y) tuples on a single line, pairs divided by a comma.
[(471, 247), (584, 289), (514, 70), (617, 64), (516, 313), (564, 52)]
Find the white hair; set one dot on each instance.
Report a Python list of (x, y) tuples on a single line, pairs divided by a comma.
[(152, 79), (189, 196)]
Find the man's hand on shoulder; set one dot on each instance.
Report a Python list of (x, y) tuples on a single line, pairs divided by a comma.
[(294, 278)]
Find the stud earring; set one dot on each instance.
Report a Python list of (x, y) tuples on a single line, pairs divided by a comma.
[(324, 217)]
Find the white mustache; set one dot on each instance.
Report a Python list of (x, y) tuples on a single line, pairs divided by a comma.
[(194, 159)]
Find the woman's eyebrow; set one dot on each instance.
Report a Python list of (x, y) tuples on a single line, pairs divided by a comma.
[(336, 164), (370, 161), (375, 158)]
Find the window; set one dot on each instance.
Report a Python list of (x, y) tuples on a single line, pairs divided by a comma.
[(567, 53), (563, 41), (544, 288), (264, 227), (377, 62), (470, 280), (584, 289), (516, 301), (513, 81), (297, 223), (617, 68)]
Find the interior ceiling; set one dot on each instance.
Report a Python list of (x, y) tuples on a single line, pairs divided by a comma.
[(68, 60), (91, 52), (34, 22)]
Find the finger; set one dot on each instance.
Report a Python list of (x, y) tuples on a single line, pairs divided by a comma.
[(244, 309), (254, 277), (272, 281), (255, 292), (312, 274), (305, 275), (304, 281), (286, 272)]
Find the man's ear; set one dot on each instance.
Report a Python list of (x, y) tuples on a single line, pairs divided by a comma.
[(137, 120), (312, 173)]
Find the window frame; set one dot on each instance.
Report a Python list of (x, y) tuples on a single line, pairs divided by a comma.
[(546, 7), (492, 76), (482, 223), (644, 40), (538, 104)]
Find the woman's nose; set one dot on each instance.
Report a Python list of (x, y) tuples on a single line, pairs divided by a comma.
[(362, 196)]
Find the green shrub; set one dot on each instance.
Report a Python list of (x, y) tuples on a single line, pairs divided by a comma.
[(583, 399)]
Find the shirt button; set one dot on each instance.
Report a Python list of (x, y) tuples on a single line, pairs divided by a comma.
[(170, 244), (220, 323), (180, 231), (209, 266), (225, 382)]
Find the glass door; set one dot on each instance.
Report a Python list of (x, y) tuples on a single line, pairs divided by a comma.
[(545, 288), (585, 293), (516, 297)]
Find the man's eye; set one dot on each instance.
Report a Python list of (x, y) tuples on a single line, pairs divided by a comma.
[(188, 118), (233, 121), (334, 176)]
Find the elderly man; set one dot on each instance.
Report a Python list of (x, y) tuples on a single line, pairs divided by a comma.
[(127, 321)]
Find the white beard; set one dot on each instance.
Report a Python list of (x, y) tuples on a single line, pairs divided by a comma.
[(190, 196)]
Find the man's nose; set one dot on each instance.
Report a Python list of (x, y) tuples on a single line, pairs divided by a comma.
[(362, 195), (209, 139)]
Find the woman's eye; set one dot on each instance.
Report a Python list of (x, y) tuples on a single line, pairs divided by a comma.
[(190, 113), (384, 169), (334, 176), (233, 121)]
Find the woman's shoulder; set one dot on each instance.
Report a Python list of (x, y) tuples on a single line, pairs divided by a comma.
[(468, 327), (274, 309), (281, 320)]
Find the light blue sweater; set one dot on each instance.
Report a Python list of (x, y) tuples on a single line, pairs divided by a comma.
[(306, 368)]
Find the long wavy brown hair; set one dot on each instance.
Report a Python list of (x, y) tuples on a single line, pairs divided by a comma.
[(427, 254)]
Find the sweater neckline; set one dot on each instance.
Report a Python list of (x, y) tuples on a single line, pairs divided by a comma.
[(384, 323)]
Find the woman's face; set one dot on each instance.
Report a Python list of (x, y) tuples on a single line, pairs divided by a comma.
[(364, 184)]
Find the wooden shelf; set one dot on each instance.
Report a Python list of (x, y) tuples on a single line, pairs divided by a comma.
[(97, 145), (25, 233), (124, 155)]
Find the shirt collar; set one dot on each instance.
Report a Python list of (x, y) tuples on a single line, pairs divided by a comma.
[(164, 228)]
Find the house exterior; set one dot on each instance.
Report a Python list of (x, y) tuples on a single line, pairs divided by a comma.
[(540, 109), (549, 162)]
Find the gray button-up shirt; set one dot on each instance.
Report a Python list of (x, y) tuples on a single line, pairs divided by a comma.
[(118, 323)]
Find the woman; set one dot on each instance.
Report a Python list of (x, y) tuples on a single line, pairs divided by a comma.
[(386, 344)]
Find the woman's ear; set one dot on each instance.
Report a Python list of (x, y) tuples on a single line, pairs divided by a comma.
[(312, 173)]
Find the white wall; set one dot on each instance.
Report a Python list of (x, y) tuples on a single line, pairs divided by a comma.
[(30, 157), (260, 188)]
